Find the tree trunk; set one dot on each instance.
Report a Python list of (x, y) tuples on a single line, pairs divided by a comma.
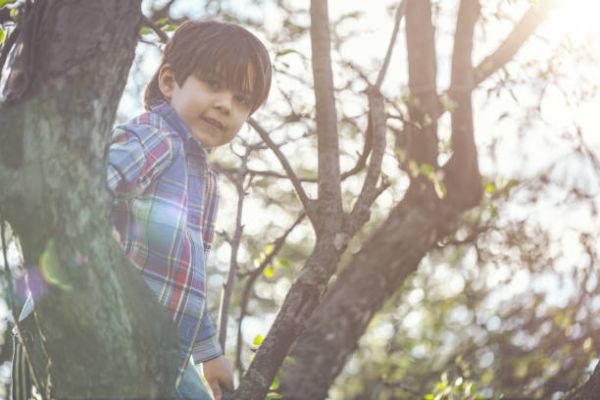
[(91, 335)]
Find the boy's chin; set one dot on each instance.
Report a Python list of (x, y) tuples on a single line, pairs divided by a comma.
[(205, 140), (209, 142)]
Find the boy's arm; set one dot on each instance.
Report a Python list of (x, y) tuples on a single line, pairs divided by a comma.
[(217, 369), (135, 157), (207, 346)]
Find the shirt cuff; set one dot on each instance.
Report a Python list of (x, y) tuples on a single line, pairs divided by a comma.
[(206, 350)]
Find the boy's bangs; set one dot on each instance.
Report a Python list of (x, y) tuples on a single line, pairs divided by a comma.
[(236, 61), (219, 50)]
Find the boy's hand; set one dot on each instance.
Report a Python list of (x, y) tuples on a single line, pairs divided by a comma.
[(218, 372)]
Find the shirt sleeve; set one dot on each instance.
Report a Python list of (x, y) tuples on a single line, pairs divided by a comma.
[(136, 155), (207, 346)]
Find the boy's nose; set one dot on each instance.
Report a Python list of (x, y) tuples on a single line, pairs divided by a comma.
[(223, 102)]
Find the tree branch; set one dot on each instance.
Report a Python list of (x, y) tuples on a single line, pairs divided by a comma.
[(422, 142), (382, 72), (229, 284), (253, 276), (330, 196), (306, 202), (509, 47), (462, 177), (514, 41), (360, 212), (164, 38)]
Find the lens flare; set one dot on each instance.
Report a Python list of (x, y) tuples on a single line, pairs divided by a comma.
[(51, 268)]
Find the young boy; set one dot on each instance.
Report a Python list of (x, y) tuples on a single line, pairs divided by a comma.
[(211, 78)]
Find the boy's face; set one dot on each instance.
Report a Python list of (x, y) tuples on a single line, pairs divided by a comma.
[(213, 113)]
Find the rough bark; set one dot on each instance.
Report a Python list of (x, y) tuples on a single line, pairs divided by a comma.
[(90, 335)]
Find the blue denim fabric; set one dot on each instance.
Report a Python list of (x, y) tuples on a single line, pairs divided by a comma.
[(191, 386)]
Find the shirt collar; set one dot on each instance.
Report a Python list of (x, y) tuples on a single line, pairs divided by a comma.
[(169, 114)]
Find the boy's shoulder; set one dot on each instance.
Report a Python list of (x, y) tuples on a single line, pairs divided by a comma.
[(146, 126)]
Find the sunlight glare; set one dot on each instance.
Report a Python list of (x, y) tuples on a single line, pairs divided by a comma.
[(579, 18)]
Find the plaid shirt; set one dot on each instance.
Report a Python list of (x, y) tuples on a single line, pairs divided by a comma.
[(165, 204)]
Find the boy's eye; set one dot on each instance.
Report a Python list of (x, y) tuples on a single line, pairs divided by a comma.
[(242, 99)]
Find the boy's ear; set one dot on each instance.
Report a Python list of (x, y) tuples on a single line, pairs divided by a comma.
[(166, 81)]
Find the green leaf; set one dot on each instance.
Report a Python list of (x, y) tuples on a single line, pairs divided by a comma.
[(289, 360), (512, 183), (268, 272), (6, 2), (258, 340), (269, 248), (494, 210), (413, 168), (285, 52), (275, 384), (428, 397), (273, 395), (447, 103), (2, 34), (490, 187), (284, 262), (427, 170), (144, 30), (470, 388), (440, 188)]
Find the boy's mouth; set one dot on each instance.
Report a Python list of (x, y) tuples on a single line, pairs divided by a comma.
[(213, 122)]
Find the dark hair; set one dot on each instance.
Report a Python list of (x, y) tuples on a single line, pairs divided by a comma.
[(208, 49)]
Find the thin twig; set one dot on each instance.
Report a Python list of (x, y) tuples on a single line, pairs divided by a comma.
[(253, 275), (271, 174), (228, 286), (388, 56), (514, 41), (164, 38), (362, 159), (306, 202), (370, 191)]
